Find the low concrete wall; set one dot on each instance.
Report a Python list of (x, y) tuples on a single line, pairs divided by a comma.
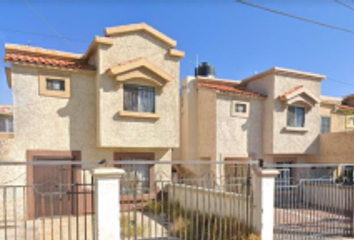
[(211, 201), (328, 197), (335, 148)]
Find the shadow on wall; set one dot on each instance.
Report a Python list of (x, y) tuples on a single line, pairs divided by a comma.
[(81, 112), (254, 134)]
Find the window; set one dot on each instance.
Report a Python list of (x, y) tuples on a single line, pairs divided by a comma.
[(296, 116), (139, 98), (6, 125), (55, 85), (325, 124), (349, 121), (241, 107), (285, 174), (138, 178)]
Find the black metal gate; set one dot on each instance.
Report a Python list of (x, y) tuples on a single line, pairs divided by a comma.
[(313, 202)]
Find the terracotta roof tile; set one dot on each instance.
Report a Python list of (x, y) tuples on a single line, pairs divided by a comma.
[(24, 57), (291, 91), (5, 109), (345, 107), (229, 89)]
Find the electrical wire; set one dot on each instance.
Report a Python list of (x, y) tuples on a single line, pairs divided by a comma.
[(41, 17), (40, 34), (338, 28), (344, 4)]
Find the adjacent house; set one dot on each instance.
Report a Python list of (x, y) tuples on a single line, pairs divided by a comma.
[(277, 115), (117, 101)]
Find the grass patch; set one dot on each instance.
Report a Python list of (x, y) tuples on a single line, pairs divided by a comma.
[(186, 224), (128, 228)]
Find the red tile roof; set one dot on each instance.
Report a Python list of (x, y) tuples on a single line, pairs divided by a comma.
[(229, 89), (24, 57), (345, 107), (5, 109), (290, 91)]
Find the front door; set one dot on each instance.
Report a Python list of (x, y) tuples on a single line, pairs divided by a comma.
[(51, 187)]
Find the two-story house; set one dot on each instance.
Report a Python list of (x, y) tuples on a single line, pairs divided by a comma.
[(274, 115), (117, 101)]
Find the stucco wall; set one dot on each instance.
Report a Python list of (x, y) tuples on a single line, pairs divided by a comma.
[(49, 123), (207, 122), (117, 131), (295, 142), (238, 136), (7, 149), (338, 120), (335, 148), (265, 86)]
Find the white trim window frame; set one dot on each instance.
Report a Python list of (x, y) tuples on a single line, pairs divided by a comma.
[(6, 125), (240, 108)]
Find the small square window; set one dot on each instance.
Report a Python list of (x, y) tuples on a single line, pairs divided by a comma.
[(55, 85), (240, 107), (350, 122)]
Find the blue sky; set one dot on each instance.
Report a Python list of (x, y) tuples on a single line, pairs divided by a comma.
[(238, 40)]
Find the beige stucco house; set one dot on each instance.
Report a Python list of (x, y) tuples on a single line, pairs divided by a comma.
[(117, 101), (277, 115)]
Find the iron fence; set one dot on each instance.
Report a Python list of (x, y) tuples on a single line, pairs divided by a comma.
[(313, 201), (159, 200)]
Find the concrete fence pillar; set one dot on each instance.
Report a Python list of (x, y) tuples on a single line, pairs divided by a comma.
[(107, 203), (264, 202)]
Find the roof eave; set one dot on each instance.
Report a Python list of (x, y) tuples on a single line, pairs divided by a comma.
[(76, 70), (283, 71)]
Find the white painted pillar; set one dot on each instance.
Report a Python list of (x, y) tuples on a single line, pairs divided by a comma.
[(107, 203), (264, 202)]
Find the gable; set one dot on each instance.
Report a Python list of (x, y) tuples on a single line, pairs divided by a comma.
[(140, 27)]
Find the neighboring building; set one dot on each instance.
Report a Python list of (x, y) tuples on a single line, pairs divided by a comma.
[(277, 115), (117, 101), (6, 133)]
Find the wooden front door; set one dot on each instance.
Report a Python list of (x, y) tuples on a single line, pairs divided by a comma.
[(52, 187), (51, 194)]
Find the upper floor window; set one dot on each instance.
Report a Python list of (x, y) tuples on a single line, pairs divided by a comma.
[(55, 84), (325, 124), (296, 116), (6, 124), (240, 108), (349, 121), (139, 98)]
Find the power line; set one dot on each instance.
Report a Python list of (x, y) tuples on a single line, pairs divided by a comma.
[(344, 4), (296, 17), (39, 34), (48, 24), (338, 81)]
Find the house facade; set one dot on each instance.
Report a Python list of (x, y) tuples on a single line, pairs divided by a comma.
[(277, 115), (117, 101)]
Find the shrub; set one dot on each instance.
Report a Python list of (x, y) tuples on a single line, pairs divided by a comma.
[(128, 228), (183, 223)]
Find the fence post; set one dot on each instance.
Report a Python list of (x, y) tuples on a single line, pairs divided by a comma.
[(107, 203), (264, 202)]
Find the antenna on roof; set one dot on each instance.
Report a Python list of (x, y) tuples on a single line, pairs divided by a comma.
[(197, 61)]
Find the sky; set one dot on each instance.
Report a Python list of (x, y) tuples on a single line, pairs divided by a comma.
[(238, 40)]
